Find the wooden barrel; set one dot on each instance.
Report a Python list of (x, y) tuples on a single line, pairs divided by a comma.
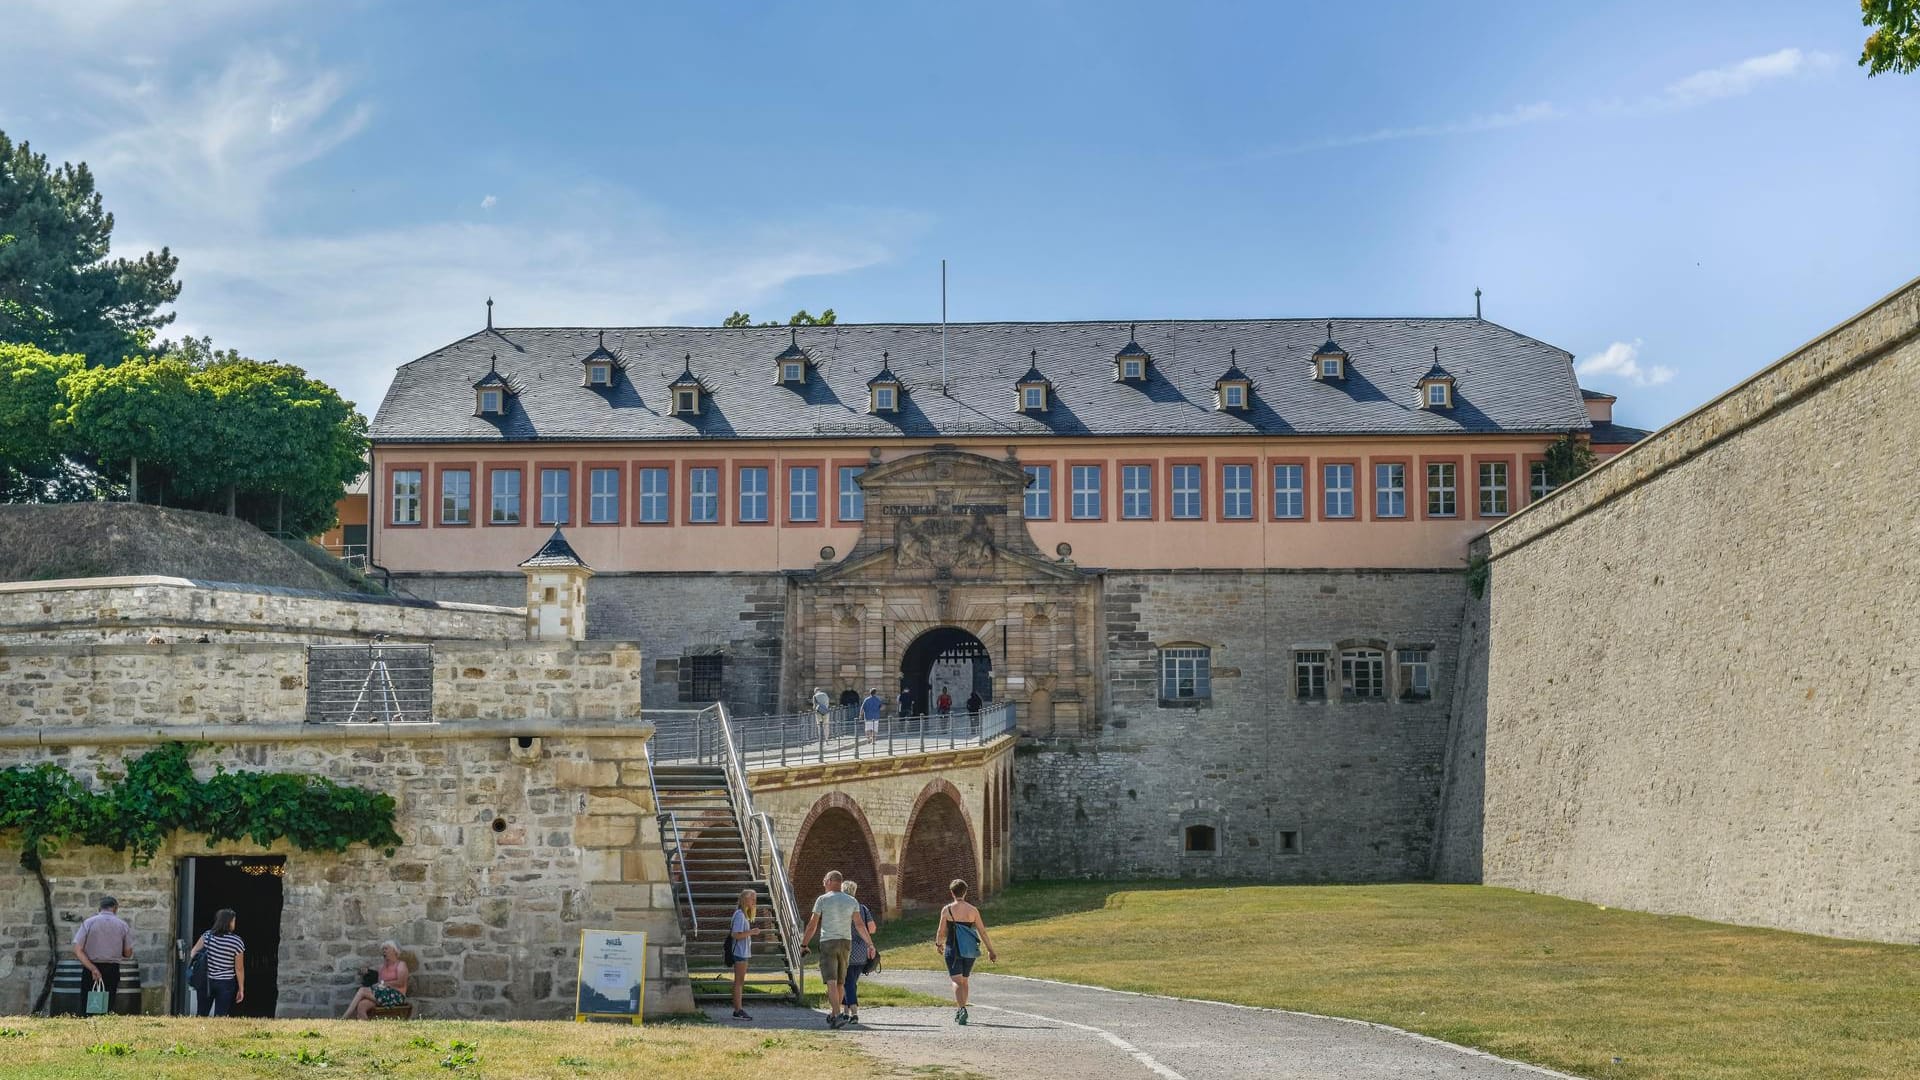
[(70, 986), (71, 983)]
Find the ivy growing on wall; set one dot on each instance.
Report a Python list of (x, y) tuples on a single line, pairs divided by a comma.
[(158, 794)]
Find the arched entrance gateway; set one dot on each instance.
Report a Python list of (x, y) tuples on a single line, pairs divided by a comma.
[(946, 587), (939, 848), (836, 836), (946, 658)]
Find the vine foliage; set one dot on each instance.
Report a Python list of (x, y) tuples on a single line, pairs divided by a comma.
[(159, 794)]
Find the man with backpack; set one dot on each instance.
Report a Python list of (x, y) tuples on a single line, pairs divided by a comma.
[(961, 935)]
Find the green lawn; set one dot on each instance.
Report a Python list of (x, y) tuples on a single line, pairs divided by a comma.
[(1541, 979), (159, 1048)]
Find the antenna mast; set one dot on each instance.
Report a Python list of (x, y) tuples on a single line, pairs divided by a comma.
[(943, 326)]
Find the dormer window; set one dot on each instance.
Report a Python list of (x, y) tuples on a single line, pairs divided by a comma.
[(883, 390), (793, 361), (1330, 360), (1131, 362), (490, 391), (1436, 386), (1233, 391), (598, 365), (1033, 388), (688, 391)]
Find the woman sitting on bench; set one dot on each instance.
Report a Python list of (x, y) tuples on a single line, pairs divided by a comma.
[(385, 988)]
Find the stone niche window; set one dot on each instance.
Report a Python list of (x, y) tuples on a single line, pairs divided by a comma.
[(1200, 840), (1363, 674), (701, 675), (1413, 668), (1186, 676), (1289, 841)]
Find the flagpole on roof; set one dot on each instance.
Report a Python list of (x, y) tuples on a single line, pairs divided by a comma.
[(943, 326)]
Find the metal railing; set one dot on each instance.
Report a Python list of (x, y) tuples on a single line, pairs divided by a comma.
[(756, 832), (764, 742), (374, 683)]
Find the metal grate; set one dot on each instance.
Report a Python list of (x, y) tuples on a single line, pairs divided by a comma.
[(375, 683)]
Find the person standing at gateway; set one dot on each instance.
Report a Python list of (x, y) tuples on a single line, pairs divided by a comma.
[(226, 965), (102, 943), (870, 713), (837, 917)]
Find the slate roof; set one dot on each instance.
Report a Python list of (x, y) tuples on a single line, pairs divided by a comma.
[(555, 552), (1434, 372), (1608, 433), (1503, 381), (1595, 395)]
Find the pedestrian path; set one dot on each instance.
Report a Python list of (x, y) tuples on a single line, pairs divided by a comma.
[(1031, 1029)]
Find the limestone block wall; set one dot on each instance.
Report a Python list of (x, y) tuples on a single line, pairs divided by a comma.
[(136, 609), (508, 851), (1702, 685), (1355, 784), (741, 617), (266, 682)]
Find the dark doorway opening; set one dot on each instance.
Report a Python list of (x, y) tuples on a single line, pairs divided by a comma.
[(251, 886), (949, 657)]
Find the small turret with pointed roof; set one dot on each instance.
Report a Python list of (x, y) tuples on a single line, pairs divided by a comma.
[(556, 591), (885, 388), (555, 552), (1330, 360), (689, 393), (490, 391), (1131, 362), (598, 366), (1436, 386)]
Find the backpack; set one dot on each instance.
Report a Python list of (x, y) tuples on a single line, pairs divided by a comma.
[(966, 939), (197, 970)]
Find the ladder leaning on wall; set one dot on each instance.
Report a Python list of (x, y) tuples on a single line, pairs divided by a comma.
[(717, 846)]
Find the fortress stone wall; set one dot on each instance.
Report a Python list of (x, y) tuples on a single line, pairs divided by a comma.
[(1702, 693)]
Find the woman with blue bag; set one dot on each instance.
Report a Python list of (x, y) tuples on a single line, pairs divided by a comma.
[(961, 936)]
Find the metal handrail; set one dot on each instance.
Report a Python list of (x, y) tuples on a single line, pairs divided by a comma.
[(680, 856), (786, 912), (800, 738)]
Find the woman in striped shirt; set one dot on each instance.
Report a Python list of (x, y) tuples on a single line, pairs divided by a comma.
[(226, 965)]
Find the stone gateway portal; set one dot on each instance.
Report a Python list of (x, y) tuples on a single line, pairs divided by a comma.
[(950, 660)]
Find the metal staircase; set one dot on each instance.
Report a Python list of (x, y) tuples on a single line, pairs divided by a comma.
[(717, 846)]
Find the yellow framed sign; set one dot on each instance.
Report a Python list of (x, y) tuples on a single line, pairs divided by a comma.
[(612, 981)]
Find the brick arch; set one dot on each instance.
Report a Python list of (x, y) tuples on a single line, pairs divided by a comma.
[(835, 835), (939, 847)]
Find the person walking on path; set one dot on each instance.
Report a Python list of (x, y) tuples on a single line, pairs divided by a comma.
[(870, 713), (226, 964), (973, 706), (906, 703), (821, 703), (945, 705), (102, 944), (857, 956), (960, 937), (740, 947), (836, 917)]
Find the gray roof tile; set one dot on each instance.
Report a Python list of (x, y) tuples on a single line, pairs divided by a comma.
[(1503, 381)]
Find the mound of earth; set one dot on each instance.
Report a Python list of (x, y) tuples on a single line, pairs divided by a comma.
[(112, 539)]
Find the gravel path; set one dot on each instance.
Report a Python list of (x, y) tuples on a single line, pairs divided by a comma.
[(1029, 1028)]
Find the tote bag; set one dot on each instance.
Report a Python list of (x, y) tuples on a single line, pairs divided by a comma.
[(97, 1001)]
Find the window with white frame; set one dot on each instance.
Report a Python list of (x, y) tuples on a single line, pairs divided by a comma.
[(1136, 491), (853, 500), (1236, 491), (1415, 674), (1390, 491), (1442, 489), (406, 496), (1234, 396), (1337, 481), (1038, 504), (1537, 486), (490, 402), (1437, 394), (1033, 399), (1086, 491), (686, 401), (456, 497), (793, 371), (504, 507), (655, 495), (1132, 370), (1363, 675), (1310, 675), (1186, 673), (1330, 368), (803, 493), (885, 399), (1186, 493), (603, 496), (555, 493), (753, 493), (703, 495), (1493, 487), (1289, 491), (599, 374)]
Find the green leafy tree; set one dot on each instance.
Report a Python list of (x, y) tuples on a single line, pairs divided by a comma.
[(279, 442), (33, 407), (140, 420), (58, 287), (1894, 44), (799, 318)]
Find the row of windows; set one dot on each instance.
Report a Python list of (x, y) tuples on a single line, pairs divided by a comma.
[(1362, 674), (1086, 501), (653, 495), (1186, 495)]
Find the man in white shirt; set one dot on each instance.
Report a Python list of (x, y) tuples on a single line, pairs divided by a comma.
[(837, 917), (102, 943)]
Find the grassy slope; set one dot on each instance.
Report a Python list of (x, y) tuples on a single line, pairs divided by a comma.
[(1541, 979), (38, 543), (202, 1049)]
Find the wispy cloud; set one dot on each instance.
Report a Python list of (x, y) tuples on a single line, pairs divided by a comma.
[(1735, 80), (1515, 117), (1621, 360), (489, 203)]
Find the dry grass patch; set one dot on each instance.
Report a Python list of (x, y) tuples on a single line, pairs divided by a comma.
[(159, 1048), (1537, 978)]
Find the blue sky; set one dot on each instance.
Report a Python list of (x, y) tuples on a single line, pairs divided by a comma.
[(1677, 194)]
